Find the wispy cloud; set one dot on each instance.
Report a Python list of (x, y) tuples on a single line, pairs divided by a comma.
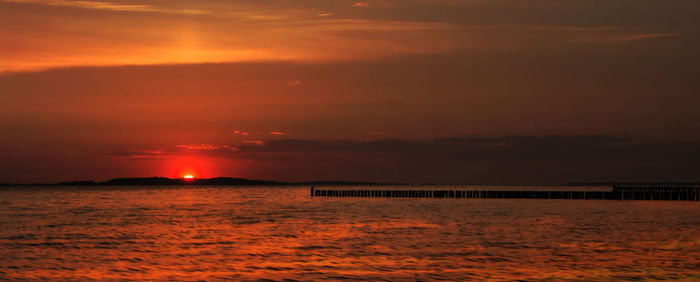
[(259, 143), (204, 147), (626, 38), (366, 4), (648, 36), (277, 31), (360, 4), (143, 154), (263, 34), (104, 5), (178, 151)]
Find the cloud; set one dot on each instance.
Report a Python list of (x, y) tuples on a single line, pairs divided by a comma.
[(278, 133), (175, 151), (383, 4), (507, 159), (360, 5), (39, 38), (516, 159), (257, 143), (104, 5), (648, 36), (263, 34), (526, 147), (143, 154), (626, 38), (202, 147)]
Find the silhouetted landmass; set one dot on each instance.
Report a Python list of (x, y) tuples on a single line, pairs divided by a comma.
[(23, 184), (77, 183), (142, 181)]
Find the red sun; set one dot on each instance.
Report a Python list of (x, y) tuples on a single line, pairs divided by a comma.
[(188, 177)]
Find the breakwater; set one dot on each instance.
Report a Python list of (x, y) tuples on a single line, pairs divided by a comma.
[(618, 192)]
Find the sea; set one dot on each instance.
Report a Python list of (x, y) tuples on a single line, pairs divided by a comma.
[(283, 234)]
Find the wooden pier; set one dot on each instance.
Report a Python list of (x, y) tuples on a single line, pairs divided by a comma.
[(618, 192)]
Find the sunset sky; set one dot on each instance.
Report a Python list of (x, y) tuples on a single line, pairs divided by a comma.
[(430, 91)]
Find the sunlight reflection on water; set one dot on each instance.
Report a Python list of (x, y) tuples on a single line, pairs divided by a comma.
[(280, 232)]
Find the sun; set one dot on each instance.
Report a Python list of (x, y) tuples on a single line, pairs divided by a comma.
[(188, 176)]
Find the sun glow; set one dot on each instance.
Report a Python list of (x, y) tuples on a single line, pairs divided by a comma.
[(188, 176)]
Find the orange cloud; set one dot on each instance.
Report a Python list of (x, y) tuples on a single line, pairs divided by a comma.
[(143, 154), (383, 4), (254, 142), (100, 5), (200, 147), (53, 38)]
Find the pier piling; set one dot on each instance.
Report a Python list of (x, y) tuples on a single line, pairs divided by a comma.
[(646, 192)]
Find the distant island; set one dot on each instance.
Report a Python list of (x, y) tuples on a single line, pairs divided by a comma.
[(164, 181)]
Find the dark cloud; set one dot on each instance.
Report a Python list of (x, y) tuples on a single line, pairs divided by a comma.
[(510, 159), (458, 150), (478, 160)]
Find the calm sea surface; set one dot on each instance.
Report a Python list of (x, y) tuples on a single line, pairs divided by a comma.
[(281, 233)]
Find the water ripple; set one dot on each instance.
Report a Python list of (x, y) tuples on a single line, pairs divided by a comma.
[(281, 234)]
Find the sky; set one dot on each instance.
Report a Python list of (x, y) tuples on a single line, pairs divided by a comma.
[(416, 91)]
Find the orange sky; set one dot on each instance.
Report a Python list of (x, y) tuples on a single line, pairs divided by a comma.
[(98, 89)]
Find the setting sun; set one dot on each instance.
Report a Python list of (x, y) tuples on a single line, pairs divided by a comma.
[(188, 176)]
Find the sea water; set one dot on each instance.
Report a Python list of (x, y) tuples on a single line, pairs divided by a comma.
[(251, 233)]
